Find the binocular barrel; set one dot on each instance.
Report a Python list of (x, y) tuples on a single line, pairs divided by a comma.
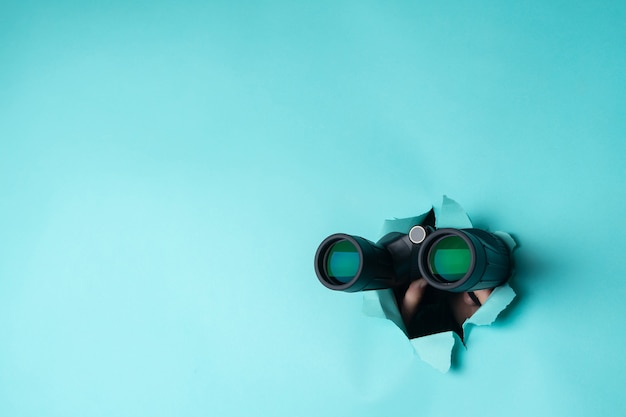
[(455, 260), (351, 263)]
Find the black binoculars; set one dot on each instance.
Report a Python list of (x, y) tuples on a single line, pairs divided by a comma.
[(455, 260)]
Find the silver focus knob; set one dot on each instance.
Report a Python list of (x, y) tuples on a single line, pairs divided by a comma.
[(417, 234)]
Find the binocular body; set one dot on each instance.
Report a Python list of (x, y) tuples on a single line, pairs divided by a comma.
[(455, 260)]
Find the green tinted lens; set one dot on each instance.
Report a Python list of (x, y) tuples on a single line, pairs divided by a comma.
[(450, 258), (343, 261)]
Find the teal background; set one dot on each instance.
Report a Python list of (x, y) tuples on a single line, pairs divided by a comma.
[(167, 170)]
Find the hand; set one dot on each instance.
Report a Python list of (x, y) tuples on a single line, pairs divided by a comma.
[(463, 306), (428, 319), (412, 298)]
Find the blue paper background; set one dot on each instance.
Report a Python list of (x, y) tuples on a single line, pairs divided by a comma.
[(167, 170)]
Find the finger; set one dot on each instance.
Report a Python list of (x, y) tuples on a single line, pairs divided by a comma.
[(479, 295), (482, 295), (412, 298)]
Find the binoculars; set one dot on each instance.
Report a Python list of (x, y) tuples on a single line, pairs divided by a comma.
[(454, 260)]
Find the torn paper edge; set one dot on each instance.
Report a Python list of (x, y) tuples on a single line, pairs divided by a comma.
[(436, 349)]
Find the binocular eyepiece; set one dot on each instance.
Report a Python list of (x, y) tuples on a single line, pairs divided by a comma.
[(455, 260)]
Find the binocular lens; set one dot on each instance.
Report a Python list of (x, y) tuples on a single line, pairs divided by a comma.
[(450, 258), (342, 262)]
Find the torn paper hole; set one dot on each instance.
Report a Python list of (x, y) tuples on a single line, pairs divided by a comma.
[(436, 349)]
